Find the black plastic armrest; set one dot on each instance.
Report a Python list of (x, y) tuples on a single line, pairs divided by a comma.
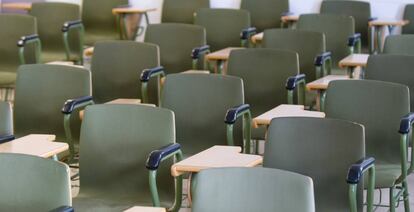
[(406, 123), (71, 104), (71, 24), (25, 39), (286, 14), (293, 81), (148, 73), (247, 33), (372, 19), (320, 59), (6, 138), (124, 6), (197, 52), (63, 209), (155, 157), (354, 39), (357, 170), (233, 113)]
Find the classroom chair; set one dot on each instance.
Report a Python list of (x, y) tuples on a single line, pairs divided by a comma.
[(6, 121), (115, 142), (251, 189), (340, 36), (399, 44), (53, 18), (21, 30), (200, 101), (359, 10), (265, 73), (408, 15), (265, 14), (100, 23), (382, 108), (181, 11), (41, 90), (220, 33), (325, 150), (392, 68), (182, 46), (116, 68), (30, 183)]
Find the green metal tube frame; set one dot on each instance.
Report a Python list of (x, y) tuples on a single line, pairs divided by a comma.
[(301, 91), (247, 126), (178, 181), (205, 64), (247, 43), (81, 33), (38, 51), (324, 69), (357, 46), (144, 88), (68, 131), (352, 192)]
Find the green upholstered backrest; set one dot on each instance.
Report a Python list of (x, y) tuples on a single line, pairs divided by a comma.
[(265, 14), (30, 183), (252, 189), (220, 33), (41, 91), (337, 30), (115, 143), (399, 44), (409, 15), (116, 67), (307, 44), (379, 106), (6, 121), (181, 11), (322, 149), (200, 102), (176, 42)]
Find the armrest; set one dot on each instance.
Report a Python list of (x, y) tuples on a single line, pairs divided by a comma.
[(293, 81), (320, 59), (246, 35), (157, 156), (354, 41), (322, 62), (148, 73), (63, 209), (357, 170), (66, 28), (195, 54), (372, 19), (231, 117), (72, 104), (6, 138), (145, 77), (71, 24), (286, 13), (124, 6), (406, 123), (27, 39)]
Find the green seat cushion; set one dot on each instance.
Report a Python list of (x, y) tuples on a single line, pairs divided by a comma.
[(385, 175), (91, 37), (51, 56)]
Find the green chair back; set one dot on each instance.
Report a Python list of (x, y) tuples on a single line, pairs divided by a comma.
[(176, 42), (392, 68), (50, 18), (200, 102), (322, 149), (265, 14), (13, 27), (264, 73), (116, 67), (409, 15), (6, 123), (365, 102), (359, 10), (307, 44), (41, 91), (115, 143), (100, 23), (399, 44), (252, 189), (337, 30), (221, 34), (30, 183), (181, 11)]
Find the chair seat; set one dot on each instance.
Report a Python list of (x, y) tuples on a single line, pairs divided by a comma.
[(53, 55), (258, 133), (7, 78), (91, 37), (385, 175)]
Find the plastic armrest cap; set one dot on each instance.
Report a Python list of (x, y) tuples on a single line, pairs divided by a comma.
[(245, 33), (356, 170), (24, 39), (195, 54), (293, 81), (6, 138), (63, 209), (70, 104), (148, 73), (232, 113), (406, 123), (156, 156)]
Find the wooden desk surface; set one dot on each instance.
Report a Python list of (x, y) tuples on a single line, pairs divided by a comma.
[(322, 83), (131, 10), (221, 54), (215, 157), (289, 18), (196, 72), (88, 52), (354, 60), (285, 111), (257, 38), (388, 22), (37, 145), (145, 209), (18, 6)]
